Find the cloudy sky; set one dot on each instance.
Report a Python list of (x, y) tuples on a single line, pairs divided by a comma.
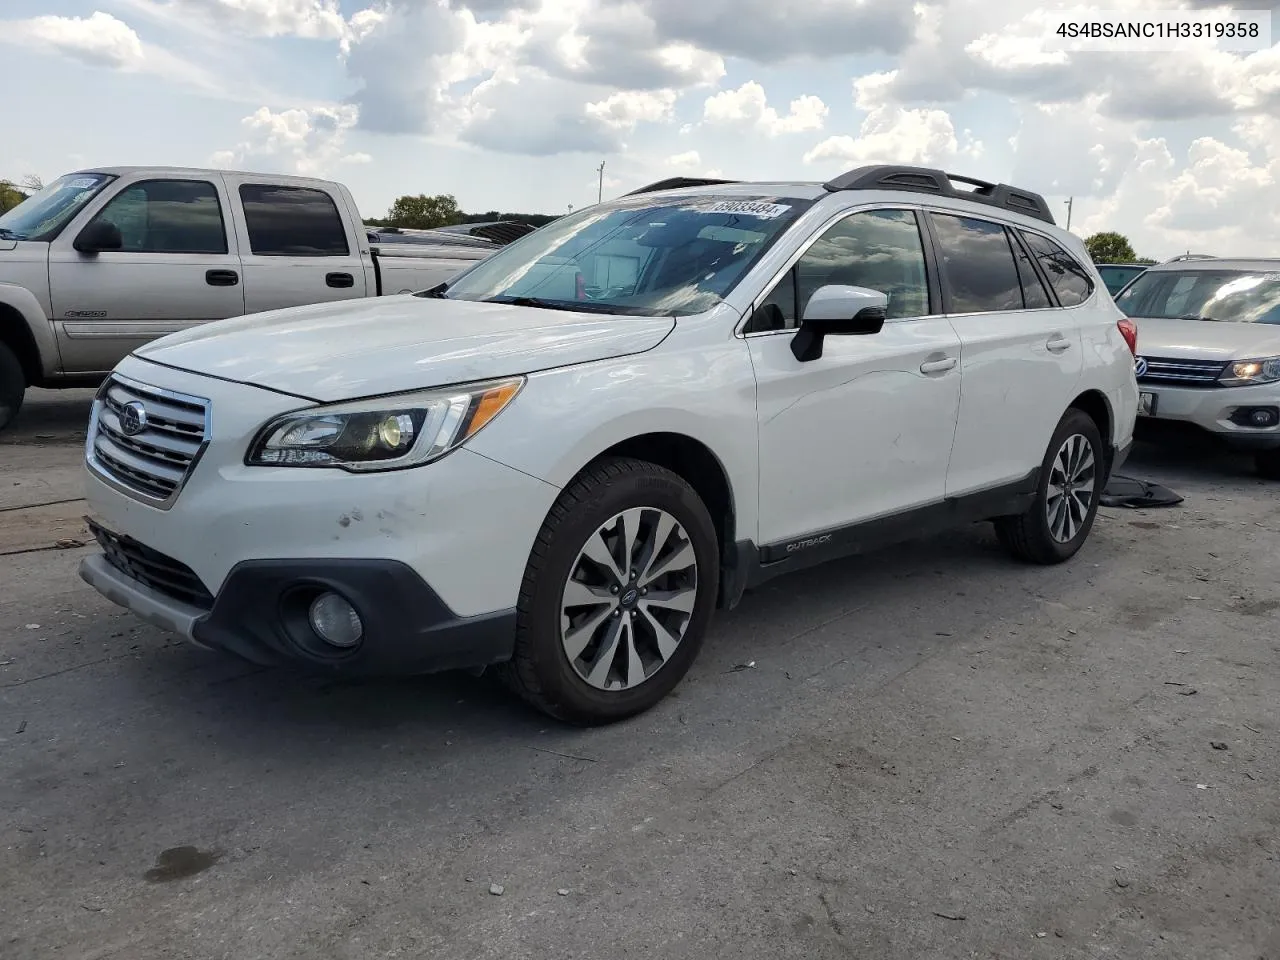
[(513, 104)]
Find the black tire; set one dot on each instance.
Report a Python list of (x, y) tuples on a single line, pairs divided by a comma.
[(13, 385), (1029, 536), (540, 670), (1267, 463)]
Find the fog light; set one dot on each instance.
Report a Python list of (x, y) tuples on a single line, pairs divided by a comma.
[(335, 621), (1262, 418)]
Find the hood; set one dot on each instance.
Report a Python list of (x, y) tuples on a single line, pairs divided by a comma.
[(1206, 339), (360, 348)]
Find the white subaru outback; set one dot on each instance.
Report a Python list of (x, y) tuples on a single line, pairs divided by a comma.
[(566, 458)]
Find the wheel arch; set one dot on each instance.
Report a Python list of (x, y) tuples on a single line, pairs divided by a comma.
[(699, 466), (1097, 407), (27, 331)]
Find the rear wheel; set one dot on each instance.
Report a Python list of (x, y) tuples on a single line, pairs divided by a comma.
[(1066, 502), (13, 384), (617, 595), (1268, 464)]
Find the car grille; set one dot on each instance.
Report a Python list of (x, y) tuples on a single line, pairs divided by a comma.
[(152, 568), (151, 455), (1182, 373)]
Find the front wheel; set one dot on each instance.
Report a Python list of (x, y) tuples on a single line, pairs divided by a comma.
[(13, 384), (1066, 502), (617, 595), (1268, 464)]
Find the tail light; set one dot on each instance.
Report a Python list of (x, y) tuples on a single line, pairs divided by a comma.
[(1129, 330)]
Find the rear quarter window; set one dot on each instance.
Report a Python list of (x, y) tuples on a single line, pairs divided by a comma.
[(1069, 279)]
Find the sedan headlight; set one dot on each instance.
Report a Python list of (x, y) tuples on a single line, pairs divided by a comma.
[(383, 433), (1242, 373)]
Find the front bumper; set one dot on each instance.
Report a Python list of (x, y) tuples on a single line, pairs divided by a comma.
[(260, 615), (1211, 410), (432, 557)]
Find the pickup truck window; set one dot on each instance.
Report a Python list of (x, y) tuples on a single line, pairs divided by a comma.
[(43, 215), (168, 216), (670, 256), (292, 222)]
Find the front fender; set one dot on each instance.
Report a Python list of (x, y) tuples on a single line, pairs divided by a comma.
[(23, 302)]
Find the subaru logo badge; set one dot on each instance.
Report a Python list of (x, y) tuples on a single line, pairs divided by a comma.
[(133, 418), (1140, 366)]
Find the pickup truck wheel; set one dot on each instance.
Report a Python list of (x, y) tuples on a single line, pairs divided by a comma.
[(1268, 464), (617, 595), (1066, 502), (13, 384)]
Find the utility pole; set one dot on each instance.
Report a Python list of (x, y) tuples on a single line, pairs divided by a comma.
[(1070, 204), (600, 191)]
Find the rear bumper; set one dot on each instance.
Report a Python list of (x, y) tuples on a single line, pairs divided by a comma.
[(260, 615), (1119, 454)]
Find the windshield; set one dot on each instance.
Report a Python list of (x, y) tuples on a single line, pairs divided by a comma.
[(1115, 276), (43, 215), (645, 256), (1232, 296)]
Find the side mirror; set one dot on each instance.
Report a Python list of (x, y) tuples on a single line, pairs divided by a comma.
[(99, 236), (838, 310)]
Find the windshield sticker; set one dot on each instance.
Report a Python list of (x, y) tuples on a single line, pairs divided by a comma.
[(82, 183), (751, 208), (1273, 277)]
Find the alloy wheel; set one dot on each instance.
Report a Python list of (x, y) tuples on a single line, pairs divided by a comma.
[(629, 598), (1072, 481)]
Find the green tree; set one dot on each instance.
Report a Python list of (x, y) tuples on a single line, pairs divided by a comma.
[(10, 196), (423, 212), (1109, 247)]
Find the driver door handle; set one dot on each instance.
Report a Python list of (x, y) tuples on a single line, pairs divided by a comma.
[(938, 366)]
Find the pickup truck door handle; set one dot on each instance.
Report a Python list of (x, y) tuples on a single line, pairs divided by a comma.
[(339, 279), (1058, 343), (221, 278), (938, 366)]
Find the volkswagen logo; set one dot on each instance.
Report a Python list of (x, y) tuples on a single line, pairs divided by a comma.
[(133, 418), (1140, 366)]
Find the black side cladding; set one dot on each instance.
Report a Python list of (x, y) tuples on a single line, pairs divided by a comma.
[(942, 184)]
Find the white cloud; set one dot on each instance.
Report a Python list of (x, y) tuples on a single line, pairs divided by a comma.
[(309, 142), (311, 19), (99, 40), (686, 160), (627, 108), (749, 106)]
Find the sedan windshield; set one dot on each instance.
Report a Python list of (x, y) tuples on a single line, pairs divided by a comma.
[(43, 215), (643, 256), (1231, 296)]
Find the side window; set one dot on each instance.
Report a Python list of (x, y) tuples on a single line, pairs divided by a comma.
[(292, 222), (168, 216), (978, 263), (1034, 295), (877, 249), (1070, 281)]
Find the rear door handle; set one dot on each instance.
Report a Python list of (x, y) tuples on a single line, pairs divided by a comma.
[(1058, 344), (938, 366), (221, 278), (339, 279)]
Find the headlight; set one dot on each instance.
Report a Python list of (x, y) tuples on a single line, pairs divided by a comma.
[(1245, 372), (384, 433)]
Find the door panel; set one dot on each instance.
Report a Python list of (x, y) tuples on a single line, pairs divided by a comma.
[(175, 235), (1021, 365), (859, 433), (296, 247), (865, 430)]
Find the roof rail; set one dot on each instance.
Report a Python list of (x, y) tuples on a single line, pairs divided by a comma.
[(1192, 256), (675, 183), (940, 183)]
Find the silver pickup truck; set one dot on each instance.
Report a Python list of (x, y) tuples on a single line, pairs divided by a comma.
[(102, 261)]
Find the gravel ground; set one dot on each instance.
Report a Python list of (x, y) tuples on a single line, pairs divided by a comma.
[(928, 753)]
